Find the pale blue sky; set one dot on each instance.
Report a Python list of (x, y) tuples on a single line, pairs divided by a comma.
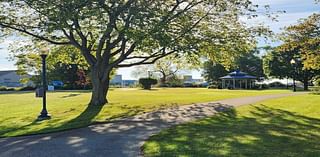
[(295, 9)]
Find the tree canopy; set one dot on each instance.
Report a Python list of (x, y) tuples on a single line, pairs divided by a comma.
[(250, 63), (277, 64), (124, 33), (304, 37), (301, 42)]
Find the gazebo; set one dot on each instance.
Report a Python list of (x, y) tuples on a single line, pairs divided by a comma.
[(238, 80)]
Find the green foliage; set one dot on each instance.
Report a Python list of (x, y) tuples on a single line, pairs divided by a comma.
[(304, 37), (3, 88), (214, 85), (6, 89), (317, 81), (316, 90), (248, 62), (27, 88), (147, 82), (63, 62), (115, 34), (301, 42), (277, 85), (174, 81), (213, 71), (276, 63), (165, 70)]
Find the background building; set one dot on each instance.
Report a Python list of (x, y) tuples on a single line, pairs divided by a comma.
[(10, 78)]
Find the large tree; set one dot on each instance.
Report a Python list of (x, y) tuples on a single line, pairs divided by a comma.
[(249, 62), (301, 42), (63, 63), (123, 33), (277, 64), (304, 38), (165, 69)]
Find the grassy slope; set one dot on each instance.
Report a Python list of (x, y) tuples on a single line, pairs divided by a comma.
[(285, 127), (70, 110)]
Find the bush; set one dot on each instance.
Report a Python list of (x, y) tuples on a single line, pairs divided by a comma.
[(260, 86), (6, 89), (316, 90), (317, 82), (215, 85), (277, 85), (147, 82), (27, 88), (10, 89), (3, 88)]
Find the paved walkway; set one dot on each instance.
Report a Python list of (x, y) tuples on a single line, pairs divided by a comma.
[(120, 138)]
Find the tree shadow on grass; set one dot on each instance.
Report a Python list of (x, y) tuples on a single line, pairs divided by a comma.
[(70, 95), (265, 132), (84, 119)]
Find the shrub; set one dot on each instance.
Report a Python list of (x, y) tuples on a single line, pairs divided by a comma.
[(27, 88), (317, 82), (214, 85), (316, 90), (260, 86), (10, 89), (147, 82), (6, 89), (277, 85), (3, 88)]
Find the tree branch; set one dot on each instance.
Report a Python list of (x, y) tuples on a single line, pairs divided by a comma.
[(147, 60), (23, 30)]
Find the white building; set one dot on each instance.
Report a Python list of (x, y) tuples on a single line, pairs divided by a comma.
[(189, 79), (10, 78), (116, 80)]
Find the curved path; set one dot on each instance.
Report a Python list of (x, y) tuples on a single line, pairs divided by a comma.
[(119, 138)]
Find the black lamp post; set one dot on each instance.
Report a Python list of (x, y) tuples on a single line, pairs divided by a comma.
[(293, 62), (149, 74), (44, 113)]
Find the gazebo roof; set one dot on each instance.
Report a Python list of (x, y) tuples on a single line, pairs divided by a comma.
[(238, 75)]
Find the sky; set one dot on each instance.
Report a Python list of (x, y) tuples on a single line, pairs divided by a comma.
[(295, 9)]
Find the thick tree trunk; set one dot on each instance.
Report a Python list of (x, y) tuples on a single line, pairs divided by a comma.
[(100, 87)]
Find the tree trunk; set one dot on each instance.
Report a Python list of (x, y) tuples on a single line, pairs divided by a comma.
[(305, 84), (305, 80), (100, 87), (163, 79)]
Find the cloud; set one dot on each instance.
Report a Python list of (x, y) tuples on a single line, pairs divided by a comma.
[(285, 19), (282, 2)]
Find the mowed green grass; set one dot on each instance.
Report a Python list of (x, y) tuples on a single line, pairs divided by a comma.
[(284, 127), (18, 111)]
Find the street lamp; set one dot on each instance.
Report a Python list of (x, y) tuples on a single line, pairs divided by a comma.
[(293, 62), (44, 113), (149, 73)]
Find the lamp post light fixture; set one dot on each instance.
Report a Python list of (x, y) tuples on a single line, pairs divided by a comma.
[(44, 113), (293, 62)]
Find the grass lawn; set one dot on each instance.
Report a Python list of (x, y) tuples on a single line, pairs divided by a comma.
[(18, 111), (284, 127)]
